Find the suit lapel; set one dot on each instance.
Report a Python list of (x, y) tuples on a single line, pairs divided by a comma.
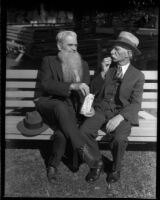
[(110, 75), (58, 67)]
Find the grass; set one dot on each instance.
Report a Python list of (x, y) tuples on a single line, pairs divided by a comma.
[(25, 176)]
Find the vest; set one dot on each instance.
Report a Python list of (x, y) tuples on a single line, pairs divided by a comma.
[(110, 104)]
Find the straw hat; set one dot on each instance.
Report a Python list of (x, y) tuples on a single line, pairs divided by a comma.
[(128, 40)]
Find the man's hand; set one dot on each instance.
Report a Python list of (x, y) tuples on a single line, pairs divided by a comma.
[(105, 66), (113, 123), (83, 87)]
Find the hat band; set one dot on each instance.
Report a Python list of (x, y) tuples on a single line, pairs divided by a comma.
[(32, 126), (127, 41)]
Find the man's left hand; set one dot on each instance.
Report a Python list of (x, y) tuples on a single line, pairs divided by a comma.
[(113, 123)]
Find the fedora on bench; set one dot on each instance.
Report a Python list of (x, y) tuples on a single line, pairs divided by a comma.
[(32, 124)]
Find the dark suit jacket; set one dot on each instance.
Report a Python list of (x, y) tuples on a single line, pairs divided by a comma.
[(51, 80), (130, 93)]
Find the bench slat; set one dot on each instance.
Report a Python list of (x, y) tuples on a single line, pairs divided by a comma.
[(20, 103), (47, 137), (31, 84), (146, 128), (29, 103), (150, 75), (142, 122), (136, 131), (146, 132), (22, 84), (23, 94), (149, 104), (136, 139), (150, 86), (151, 123), (32, 74), (21, 74), (146, 115), (21, 137), (150, 95)]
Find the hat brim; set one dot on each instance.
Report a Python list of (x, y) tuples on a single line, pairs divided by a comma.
[(122, 43), (30, 132)]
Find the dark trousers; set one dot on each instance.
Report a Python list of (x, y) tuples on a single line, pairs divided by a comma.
[(58, 113), (118, 137), (89, 130), (89, 134), (59, 144)]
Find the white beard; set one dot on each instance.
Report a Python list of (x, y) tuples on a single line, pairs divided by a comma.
[(71, 66)]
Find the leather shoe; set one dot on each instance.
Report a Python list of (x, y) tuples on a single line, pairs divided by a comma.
[(113, 177), (52, 173), (95, 172), (86, 155)]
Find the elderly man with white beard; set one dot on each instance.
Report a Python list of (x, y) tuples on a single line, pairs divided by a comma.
[(64, 81)]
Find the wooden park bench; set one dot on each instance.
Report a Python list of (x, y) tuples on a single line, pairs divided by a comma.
[(20, 88)]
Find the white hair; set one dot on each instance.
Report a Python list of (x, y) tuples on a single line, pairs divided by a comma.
[(63, 34)]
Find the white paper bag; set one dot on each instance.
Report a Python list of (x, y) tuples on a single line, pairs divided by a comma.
[(87, 104)]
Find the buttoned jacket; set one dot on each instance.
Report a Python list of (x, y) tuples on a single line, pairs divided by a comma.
[(130, 92)]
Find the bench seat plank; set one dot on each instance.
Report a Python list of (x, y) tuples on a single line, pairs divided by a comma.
[(21, 137), (31, 84), (47, 137), (137, 134), (19, 103), (146, 115), (136, 131), (147, 129), (136, 139), (16, 119), (146, 95), (30, 103), (150, 86), (22, 84), (30, 74), (149, 104), (150, 75), (21, 74)]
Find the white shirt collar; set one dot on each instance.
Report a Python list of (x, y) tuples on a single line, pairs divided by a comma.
[(124, 68)]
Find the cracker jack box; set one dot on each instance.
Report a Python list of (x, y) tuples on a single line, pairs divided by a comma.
[(87, 104)]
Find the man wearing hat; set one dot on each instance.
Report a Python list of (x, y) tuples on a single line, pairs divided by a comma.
[(118, 97)]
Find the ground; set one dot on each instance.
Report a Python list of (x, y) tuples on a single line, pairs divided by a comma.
[(25, 176)]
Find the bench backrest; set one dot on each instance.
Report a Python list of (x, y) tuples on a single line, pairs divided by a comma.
[(20, 88)]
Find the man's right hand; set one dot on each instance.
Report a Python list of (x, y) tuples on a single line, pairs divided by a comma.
[(83, 87), (106, 62)]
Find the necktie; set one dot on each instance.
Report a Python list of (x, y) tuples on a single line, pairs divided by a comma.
[(119, 73)]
